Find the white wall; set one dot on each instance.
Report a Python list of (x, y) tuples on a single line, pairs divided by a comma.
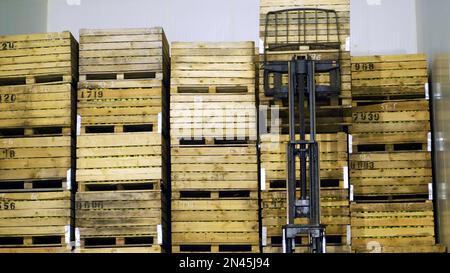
[(183, 20), (23, 16), (383, 27)]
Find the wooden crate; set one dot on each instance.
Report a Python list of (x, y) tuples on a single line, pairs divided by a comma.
[(36, 164), (393, 227), (36, 222), (390, 126), (121, 54), (389, 77), (290, 28), (36, 109), (392, 117), (333, 160), (335, 215), (213, 116), (121, 221), (391, 175), (213, 67), (124, 161), (214, 168), (38, 58), (125, 106), (215, 221)]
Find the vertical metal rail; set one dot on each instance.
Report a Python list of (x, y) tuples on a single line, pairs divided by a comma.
[(291, 187)]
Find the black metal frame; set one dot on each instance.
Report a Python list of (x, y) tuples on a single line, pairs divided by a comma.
[(332, 19), (300, 91)]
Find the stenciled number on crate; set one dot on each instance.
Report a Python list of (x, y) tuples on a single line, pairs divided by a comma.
[(366, 116), (90, 205), (315, 57), (365, 67), (362, 165), (7, 45), (92, 94), (8, 98), (8, 153), (7, 205)]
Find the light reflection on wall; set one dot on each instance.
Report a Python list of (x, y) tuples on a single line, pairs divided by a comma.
[(441, 101)]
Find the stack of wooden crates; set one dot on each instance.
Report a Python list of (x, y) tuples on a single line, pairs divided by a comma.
[(333, 117), (390, 158), (37, 74), (214, 168), (122, 143)]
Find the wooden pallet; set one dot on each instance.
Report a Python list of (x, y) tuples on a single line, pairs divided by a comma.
[(335, 214), (37, 250), (391, 175), (225, 116), (389, 77), (214, 66), (333, 160), (122, 54), (27, 107), (127, 161), (35, 220), (122, 219), (38, 58), (215, 248), (390, 227), (141, 106), (215, 219), (151, 249), (290, 29), (35, 164), (214, 167), (304, 250), (392, 117)]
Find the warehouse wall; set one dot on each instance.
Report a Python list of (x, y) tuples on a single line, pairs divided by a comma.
[(183, 20), (233, 20), (23, 16), (432, 21), (383, 27)]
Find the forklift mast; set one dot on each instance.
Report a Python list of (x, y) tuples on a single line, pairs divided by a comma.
[(291, 32)]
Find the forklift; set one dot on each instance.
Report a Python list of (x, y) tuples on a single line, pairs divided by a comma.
[(291, 32)]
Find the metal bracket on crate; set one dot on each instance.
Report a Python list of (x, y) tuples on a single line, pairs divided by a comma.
[(316, 235)]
